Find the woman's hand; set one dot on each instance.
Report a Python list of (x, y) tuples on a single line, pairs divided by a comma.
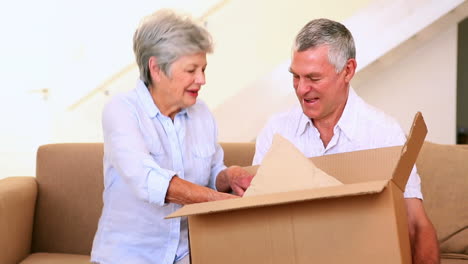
[(233, 178), (184, 192)]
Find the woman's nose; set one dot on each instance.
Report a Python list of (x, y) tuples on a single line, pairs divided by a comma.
[(200, 78)]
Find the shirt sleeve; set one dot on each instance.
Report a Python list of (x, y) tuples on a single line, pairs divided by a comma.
[(127, 152), (217, 164), (413, 186), (263, 143)]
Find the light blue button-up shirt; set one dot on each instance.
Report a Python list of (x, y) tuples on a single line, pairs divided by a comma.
[(143, 150)]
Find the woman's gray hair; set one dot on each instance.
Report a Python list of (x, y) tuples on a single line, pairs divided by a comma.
[(167, 36), (327, 32)]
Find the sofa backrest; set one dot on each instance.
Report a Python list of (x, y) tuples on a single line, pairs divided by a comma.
[(444, 181), (70, 184), (238, 153), (69, 200)]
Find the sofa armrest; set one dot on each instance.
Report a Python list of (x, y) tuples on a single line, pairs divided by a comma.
[(17, 202)]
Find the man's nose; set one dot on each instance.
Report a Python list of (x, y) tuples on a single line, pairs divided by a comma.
[(302, 85)]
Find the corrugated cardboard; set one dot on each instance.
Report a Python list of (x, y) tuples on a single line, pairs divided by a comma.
[(362, 221), (284, 168)]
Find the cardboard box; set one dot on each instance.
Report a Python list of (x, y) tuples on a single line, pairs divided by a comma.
[(362, 221)]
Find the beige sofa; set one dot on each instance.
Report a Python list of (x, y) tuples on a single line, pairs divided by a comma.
[(52, 218)]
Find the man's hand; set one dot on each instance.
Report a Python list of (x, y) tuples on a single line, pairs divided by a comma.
[(234, 178)]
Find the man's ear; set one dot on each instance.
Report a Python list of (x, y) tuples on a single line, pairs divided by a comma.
[(154, 70), (350, 69)]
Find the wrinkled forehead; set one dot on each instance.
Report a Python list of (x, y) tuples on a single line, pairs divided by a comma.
[(196, 59), (310, 60)]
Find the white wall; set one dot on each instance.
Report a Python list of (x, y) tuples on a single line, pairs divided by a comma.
[(380, 40), (423, 80), (69, 48), (252, 37), (50, 46)]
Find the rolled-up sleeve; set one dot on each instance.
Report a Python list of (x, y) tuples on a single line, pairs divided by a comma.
[(127, 152), (217, 162), (413, 186), (217, 166), (158, 182)]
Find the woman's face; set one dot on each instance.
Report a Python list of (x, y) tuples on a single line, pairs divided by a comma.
[(180, 90)]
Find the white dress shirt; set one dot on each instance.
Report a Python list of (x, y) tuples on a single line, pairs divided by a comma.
[(360, 127), (143, 150)]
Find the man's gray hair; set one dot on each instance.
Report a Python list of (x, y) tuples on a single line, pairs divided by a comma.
[(167, 36), (327, 32)]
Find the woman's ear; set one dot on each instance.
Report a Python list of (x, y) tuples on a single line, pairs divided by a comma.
[(154, 70)]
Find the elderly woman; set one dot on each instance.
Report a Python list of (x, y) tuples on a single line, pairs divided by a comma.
[(160, 148)]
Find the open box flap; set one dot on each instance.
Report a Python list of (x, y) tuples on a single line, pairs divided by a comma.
[(285, 168), (410, 152), (281, 198)]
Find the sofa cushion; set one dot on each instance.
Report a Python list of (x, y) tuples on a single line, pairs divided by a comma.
[(55, 258), (462, 260), (69, 202), (444, 175)]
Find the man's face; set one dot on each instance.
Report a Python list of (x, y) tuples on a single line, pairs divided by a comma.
[(322, 92)]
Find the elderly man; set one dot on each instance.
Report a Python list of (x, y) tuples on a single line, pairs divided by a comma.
[(333, 118)]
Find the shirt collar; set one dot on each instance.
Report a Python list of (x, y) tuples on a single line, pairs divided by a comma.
[(148, 104), (348, 120), (186, 111), (303, 123)]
